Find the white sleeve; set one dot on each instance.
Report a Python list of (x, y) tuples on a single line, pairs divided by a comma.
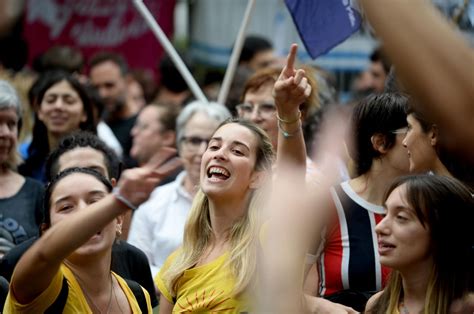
[(141, 231)]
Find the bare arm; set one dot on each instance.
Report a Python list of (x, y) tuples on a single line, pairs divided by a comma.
[(372, 301), (433, 61), (311, 282), (166, 307), (44, 258), (290, 91), (296, 219)]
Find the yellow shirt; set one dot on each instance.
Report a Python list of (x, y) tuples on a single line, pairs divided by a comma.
[(76, 302), (207, 288)]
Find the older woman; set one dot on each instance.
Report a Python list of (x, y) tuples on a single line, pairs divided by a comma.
[(20, 197), (259, 106), (157, 228), (63, 106)]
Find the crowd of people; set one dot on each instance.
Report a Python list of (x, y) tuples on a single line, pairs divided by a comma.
[(120, 197)]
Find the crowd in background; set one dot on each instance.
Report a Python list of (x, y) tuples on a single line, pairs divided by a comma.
[(184, 197)]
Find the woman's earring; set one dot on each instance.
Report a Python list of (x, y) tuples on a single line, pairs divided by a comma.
[(118, 231)]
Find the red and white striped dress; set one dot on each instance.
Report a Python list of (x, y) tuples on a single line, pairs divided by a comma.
[(349, 256)]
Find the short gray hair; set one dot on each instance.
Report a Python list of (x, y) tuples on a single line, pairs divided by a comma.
[(213, 110), (9, 98)]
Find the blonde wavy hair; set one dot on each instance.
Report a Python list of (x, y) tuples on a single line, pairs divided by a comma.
[(244, 235)]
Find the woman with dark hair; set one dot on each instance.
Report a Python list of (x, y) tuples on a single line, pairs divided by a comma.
[(426, 238), (346, 267), (62, 106), (70, 263), (429, 150), (348, 264), (344, 259)]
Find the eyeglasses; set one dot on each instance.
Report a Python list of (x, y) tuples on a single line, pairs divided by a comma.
[(402, 131), (265, 109), (193, 142)]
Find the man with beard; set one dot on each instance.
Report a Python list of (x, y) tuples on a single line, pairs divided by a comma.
[(108, 73)]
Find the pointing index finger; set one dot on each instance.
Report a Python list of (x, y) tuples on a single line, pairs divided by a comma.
[(290, 61)]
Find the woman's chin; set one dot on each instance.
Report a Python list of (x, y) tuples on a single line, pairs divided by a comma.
[(96, 245)]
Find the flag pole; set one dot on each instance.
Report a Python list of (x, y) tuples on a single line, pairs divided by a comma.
[(232, 66), (178, 62)]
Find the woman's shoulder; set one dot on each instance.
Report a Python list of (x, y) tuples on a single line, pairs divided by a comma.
[(34, 185), (372, 301), (137, 296), (168, 262), (172, 257)]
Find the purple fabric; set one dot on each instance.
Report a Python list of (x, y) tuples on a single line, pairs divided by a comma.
[(323, 24)]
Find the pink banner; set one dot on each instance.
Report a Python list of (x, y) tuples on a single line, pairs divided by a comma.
[(94, 25)]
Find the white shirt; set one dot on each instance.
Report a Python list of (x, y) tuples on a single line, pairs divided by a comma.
[(105, 133), (158, 224)]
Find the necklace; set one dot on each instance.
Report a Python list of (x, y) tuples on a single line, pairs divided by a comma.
[(89, 299), (403, 308), (116, 301)]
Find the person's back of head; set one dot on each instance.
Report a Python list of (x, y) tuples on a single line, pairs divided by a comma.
[(253, 45), (97, 102), (379, 56), (145, 78), (379, 69), (392, 83), (241, 76), (13, 49), (65, 58), (168, 116), (378, 114), (83, 140), (171, 77)]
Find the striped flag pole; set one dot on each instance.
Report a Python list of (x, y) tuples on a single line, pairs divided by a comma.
[(234, 58), (168, 46)]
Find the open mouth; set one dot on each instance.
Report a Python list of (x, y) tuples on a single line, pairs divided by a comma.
[(218, 173), (385, 247)]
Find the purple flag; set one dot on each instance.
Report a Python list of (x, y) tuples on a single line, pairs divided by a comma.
[(323, 24)]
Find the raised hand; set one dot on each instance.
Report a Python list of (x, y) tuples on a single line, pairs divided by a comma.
[(136, 184), (291, 88)]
